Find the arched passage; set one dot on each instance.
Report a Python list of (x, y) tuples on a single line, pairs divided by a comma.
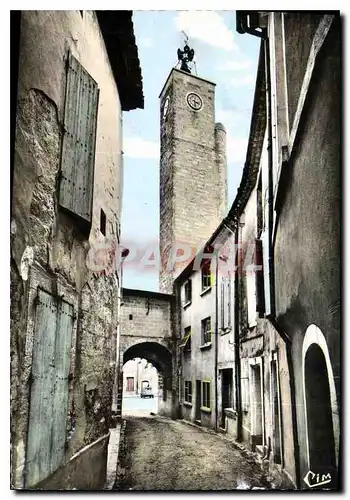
[(155, 353), (161, 358), (321, 410)]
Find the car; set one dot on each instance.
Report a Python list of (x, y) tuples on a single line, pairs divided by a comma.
[(146, 392)]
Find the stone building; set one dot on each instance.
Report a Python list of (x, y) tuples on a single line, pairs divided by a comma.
[(147, 332), (77, 71), (265, 367), (192, 168)]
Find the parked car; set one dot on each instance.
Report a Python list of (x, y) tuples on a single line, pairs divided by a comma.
[(146, 392)]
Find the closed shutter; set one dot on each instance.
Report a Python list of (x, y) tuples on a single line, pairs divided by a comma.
[(49, 388), (222, 303), (259, 275), (229, 300), (78, 148), (251, 296)]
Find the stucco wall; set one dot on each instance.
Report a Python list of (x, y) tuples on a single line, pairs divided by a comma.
[(59, 250), (307, 249), (200, 363)]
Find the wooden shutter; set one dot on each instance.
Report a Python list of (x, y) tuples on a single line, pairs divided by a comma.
[(229, 300), (78, 148), (49, 388), (251, 297), (259, 276), (222, 303)]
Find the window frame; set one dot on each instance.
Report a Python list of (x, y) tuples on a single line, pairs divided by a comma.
[(206, 398), (204, 333), (206, 277), (188, 394), (188, 339), (188, 291)]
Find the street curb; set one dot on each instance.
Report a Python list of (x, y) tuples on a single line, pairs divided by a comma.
[(120, 469)]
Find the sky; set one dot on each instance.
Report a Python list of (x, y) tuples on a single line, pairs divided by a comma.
[(222, 56)]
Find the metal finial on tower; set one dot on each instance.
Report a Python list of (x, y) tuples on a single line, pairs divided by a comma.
[(185, 56)]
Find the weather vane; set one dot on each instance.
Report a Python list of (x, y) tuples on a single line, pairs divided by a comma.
[(185, 56)]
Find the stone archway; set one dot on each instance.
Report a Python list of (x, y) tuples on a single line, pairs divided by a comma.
[(162, 359), (321, 411)]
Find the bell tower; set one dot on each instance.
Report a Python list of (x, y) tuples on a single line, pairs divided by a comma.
[(193, 186)]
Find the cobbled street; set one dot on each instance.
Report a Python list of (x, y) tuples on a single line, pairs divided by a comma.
[(163, 454)]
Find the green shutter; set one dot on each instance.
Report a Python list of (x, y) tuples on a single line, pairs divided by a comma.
[(49, 387), (78, 148)]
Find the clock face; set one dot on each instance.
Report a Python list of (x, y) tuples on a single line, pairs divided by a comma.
[(194, 101), (166, 107)]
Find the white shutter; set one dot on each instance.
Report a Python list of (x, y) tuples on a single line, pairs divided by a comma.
[(251, 296)]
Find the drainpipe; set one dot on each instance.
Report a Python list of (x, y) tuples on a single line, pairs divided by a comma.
[(236, 339), (216, 339)]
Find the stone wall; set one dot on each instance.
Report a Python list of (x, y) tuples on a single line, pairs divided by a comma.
[(192, 170), (47, 247), (147, 332)]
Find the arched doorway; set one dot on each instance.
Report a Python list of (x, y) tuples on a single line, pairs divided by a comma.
[(322, 422), (161, 359)]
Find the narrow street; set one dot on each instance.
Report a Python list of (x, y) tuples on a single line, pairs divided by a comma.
[(163, 454)]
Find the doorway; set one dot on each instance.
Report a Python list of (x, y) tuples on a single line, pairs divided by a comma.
[(226, 392), (319, 414), (198, 399), (256, 409)]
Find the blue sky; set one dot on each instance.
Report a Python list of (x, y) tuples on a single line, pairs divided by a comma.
[(222, 56)]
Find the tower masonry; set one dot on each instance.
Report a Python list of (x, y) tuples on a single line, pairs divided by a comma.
[(193, 185)]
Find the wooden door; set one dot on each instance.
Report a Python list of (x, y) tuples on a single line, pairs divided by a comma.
[(49, 388)]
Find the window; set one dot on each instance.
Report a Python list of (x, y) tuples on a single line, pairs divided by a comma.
[(130, 384), (187, 339), (206, 276), (206, 394), (206, 331), (78, 145), (188, 391), (188, 291)]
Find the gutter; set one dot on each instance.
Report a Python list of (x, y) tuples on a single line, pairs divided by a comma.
[(236, 343)]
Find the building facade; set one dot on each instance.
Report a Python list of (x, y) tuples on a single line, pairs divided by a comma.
[(138, 373), (73, 85), (265, 367)]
